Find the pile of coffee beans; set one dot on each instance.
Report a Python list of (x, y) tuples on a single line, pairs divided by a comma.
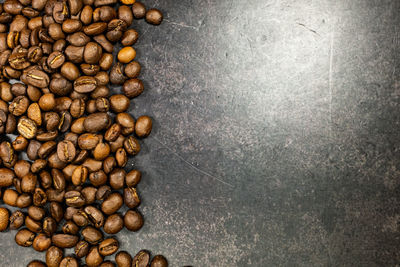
[(65, 138)]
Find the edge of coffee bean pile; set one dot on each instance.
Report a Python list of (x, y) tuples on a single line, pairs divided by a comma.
[(66, 137)]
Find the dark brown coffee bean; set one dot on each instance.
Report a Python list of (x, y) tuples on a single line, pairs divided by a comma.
[(28, 183), (78, 39), (66, 151), (75, 6), (90, 69), (104, 2), (36, 78), (125, 14), (32, 225), (56, 211), (64, 240), (93, 258), (70, 71), (97, 122), (113, 132), (93, 165), (60, 86), (103, 192), (133, 87), (70, 227), (17, 219), (92, 53), (24, 201), (65, 121), (143, 126), (77, 108), (74, 53), (95, 216), (119, 103), (38, 165), (104, 13), (36, 263), (46, 148), (117, 178), (86, 15), (36, 213), (131, 198), (6, 177), (129, 38), (80, 218), (24, 238), (154, 16), (117, 74), (71, 25), (121, 157), (19, 105), (56, 32), (113, 224), (112, 203), (32, 150), (39, 197), (55, 60), (69, 212), (54, 256), (142, 259), (79, 175), (92, 235), (131, 145), (82, 249), (95, 28), (123, 259), (49, 226), (74, 199), (85, 84), (60, 12), (18, 89), (117, 144), (133, 220), (159, 261), (108, 246), (4, 219), (104, 43), (102, 104), (41, 242), (101, 91), (133, 178), (59, 45), (51, 121), (115, 29), (90, 194), (11, 124)]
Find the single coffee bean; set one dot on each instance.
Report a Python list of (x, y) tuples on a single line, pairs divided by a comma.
[(101, 151), (112, 203), (4, 219), (143, 126), (97, 122), (90, 69), (80, 218), (133, 87), (132, 70), (11, 124), (95, 28), (102, 104), (41, 242), (34, 226), (92, 235), (79, 175), (60, 86), (27, 127), (93, 165), (46, 148), (74, 199), (28, 183), (60, 12), (103, 192), (36, 213), (123, 259), (70, 227), (115, 29), (64, 240), (159, 261), (105, 44), (54, 256), (82, 249), (49, 226), (108, 246), (117, 178), (32, 149), (131, 198), (75, 6), (45, 179), (39, 197), (92, 53), (129, 37), (60, 45), (104, 13), (85, 84), (133, 178), (24, 238), (6, 177), (107, 264), (55, 60), (90, 194), (142, 259), (131, 145), (55, 31), (113, 224), (125, 14), (117, 74), (113, 132), (88, 141), (119, 103), (133, 220), (17, 219), (77, 108), (36, 263), (95, 216), (74, 53), (104, 2), (34, 113), (117, 144), (71, 25), (24, 201), (56, 211), (65, 121), (70, 71), (101, 91), (126, 54), (93, 258), (138, 10), (86, 14), (66, 151), (154, 16), (35, 78), (121, 157), (47, 102), (19, 105)]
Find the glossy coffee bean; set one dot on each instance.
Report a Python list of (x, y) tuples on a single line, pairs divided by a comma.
[(36, 213), (94, 258), (123, 259), (126, 54), (154, 16), (70, 227), (119, 103), (82, 249), (133, 87), (143, 126), (97, 122), (132, 70), (66, 151), (17, 219), (131, 145), (133, 220), (54, 255), (113, 224), (108, 246), (24, 238), (117, 178), (159, 261), (49, 226), (36, 263), (41, 242), (112, 203), (92, 235), (138, 10), (141, 259), (64, 240), (131, 197)]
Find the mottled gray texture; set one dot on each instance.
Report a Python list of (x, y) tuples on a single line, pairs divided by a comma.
[(276, 134)]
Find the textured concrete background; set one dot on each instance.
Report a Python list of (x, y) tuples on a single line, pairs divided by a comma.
[(276, 137)]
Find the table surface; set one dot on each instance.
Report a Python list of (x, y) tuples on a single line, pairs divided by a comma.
[(276, 134)]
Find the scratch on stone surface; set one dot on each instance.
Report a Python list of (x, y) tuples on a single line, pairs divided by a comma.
[(183, 25), (331, 55), (191, 165), (306, 27)]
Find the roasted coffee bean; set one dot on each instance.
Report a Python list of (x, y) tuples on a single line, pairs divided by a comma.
[(24, 200), (68, 171), (32, 149), (133, 87), (92, 53), (55, 60), (108, 246), (70, 71), (47, 102), (121, 157), (85, 84), (64, 240), (97, 122), (34, 93), (34, 226), (19, 105), (90, 194), (102, 104), (60, 12), (66, 151), (117, 178), (17, 219), (112, 203), (74, 53), (82, 249), (133, 220), (92, 235), (45, 179), (119, 103), (113, 132), (69, 212), (60, 86), (4, 219), (143, 126), (62, 104), (95, 216), (125, 14), (118, 143), (129, 38), (55, 31), (77, 126), (36, 213), (131, 198), (35, 78), (154, 16), (24, 238), (51, 121), (46, 148), (95, 28), (6, 177), (104, 43), (113, 224), (142, 259), (103, 192), (93, 258), (104, 2), (77, 108), (28, 183), (131, 145), (34, 113), (59, 45), (54, 255), (88, 141), (71, 25), (65, 121), (138, 10), (98, 178), (101, 91), (49, 226), (80, 218), (133, 178), (93, 165), (41, 242), (75, 6), (56, 211), (123, 259), (74, 199), (104, 13), (90, 69), (70, 228), (101, 151), (27, 128), (36, 263), (126, 54), (39, 197), (38, 165), (159, 261), (86, 15), (11, 124), (106, 61), (79, 175), (115, 29)]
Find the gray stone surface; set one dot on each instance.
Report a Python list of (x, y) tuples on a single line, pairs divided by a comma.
[(276, 136)]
